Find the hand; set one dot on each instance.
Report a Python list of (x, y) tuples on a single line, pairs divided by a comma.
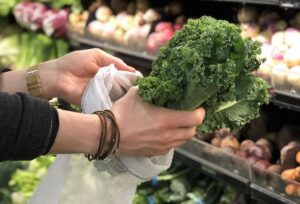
[(148, 130), (68, 76)]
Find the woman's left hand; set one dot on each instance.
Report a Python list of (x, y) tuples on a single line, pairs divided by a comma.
[(68, 76)]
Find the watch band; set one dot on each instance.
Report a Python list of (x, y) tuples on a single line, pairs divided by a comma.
[(34, 85)]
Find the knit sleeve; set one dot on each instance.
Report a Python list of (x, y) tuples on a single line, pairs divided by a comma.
[(28, 127)]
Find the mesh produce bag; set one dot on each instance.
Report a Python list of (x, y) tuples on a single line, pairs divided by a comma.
[(72, 179)]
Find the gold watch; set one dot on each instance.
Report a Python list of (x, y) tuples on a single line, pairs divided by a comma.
[(34, 85)]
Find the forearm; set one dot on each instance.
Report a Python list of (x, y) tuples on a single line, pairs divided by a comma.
[(78, 133), (28, 127), (15, 81)]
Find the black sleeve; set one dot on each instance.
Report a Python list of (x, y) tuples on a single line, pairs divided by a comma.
[(4, 70), (28, 127)]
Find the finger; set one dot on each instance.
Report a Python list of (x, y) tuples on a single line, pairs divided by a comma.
[(177, 118), (132, 93), (121, 65), (104, 59), (159, 153), (176, 135), (169, 118)]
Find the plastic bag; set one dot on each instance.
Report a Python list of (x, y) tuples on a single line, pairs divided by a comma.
[(72, 179)]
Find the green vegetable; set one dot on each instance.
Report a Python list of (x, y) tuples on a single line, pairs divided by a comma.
[(62, 47), (59, 4), (25, 181), (9, 47), (208, 64), (6, 170), (140, 199), (213, 193), (6, 6), (36, 48)]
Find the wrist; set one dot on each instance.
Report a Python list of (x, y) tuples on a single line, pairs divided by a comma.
[(109, 136), (48, 76), (77, 133), (91, 143)]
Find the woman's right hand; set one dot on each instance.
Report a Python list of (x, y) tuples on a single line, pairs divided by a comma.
[(149, 130)]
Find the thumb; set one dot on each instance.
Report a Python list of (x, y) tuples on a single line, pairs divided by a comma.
[(104, 59), (121, 65)]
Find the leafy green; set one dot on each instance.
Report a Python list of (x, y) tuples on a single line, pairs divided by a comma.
[(245, 98), (25, 181), (7, 168), (35, 48), (208, 64), (185, 186), (6, 6), (59, 4), (9, 47)]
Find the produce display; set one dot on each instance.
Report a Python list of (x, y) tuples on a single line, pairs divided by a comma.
[(9, 45), (77, 21), (206, 68), (19, 179), (6, 6), (22, 51), (133, 25), (281, 46), (120, 28), (202, 67), (274, 157), (182, 185), (149, 29), (36, 16)]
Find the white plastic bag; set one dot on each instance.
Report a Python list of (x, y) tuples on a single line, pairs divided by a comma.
[(72, 179)]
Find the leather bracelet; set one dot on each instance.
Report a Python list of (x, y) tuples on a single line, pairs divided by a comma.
[(105, 153), (33, 80)]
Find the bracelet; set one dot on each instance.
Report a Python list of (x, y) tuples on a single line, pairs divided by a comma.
[(33, 80), (105, 153)]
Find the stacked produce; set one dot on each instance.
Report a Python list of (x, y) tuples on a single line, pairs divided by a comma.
[(258, 153), (163, 32), (263, 155), (290, 158), (131, 25), (182, 185), (77, 21), (281, 46), (27, 49), (36, 16), (119, 28)]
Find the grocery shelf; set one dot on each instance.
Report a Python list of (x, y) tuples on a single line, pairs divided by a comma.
[(286, 100), (229, 168), (279, 98), (77, 39), (263, 195), (199, 154)]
